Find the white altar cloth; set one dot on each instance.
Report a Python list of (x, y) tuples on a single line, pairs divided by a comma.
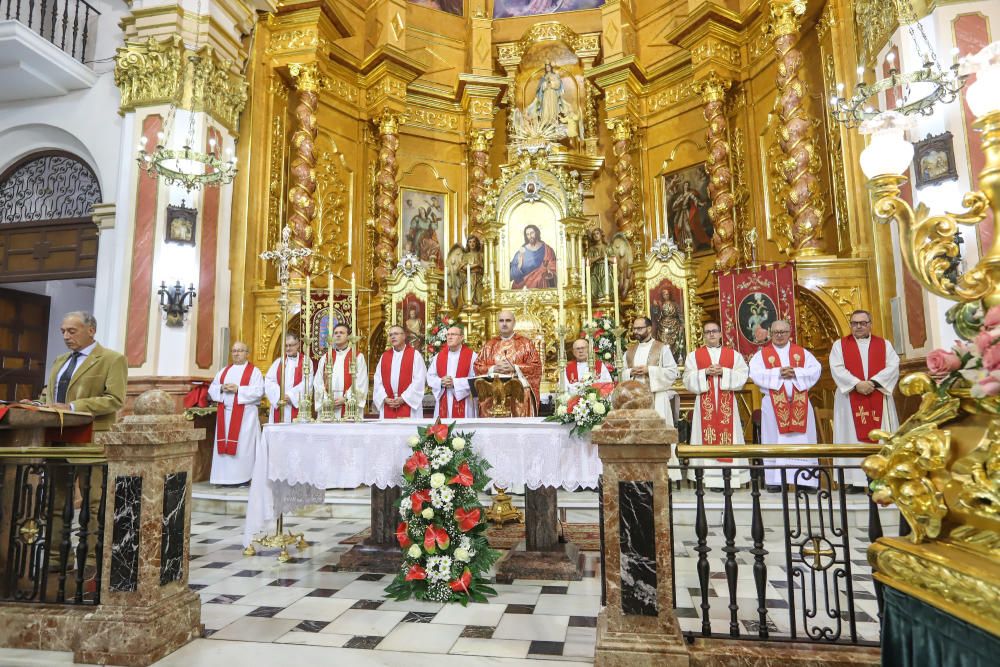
[(296, 463)]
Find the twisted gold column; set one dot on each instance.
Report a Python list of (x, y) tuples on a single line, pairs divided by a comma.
[(713, 92), (385, 201), (626, 217), (480, 171), (302, 189), (800, 163)]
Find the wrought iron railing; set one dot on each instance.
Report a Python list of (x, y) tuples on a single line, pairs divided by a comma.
[(66, 23), (52, 528), (799, 573)]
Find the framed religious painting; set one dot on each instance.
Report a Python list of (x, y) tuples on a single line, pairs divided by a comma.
[(934, 160), (181, 224), (423, 221), (411, 314), (503, 9), (685, 208), (528, 257), (453, 7)]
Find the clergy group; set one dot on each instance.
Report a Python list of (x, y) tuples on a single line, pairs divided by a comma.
[(864, 367)]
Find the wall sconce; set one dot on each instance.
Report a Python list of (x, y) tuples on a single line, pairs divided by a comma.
[(176, 302)]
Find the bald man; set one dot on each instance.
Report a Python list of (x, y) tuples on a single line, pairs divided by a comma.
[(578, 368), (400, 379), (512, 355), (237, 389)]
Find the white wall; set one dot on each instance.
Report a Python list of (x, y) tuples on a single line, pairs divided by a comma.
[(65, 296)]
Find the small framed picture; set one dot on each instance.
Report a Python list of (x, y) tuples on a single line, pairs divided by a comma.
[(934, 160), (181, 224)]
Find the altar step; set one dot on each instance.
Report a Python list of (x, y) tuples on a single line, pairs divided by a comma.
[(579, 506)]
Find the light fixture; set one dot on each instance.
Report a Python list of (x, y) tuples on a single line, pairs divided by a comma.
[(888, 152), (923, 89), (176, 302), (983, 95)]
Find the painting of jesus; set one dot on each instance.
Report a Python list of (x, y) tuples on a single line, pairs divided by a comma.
[(533, 265)]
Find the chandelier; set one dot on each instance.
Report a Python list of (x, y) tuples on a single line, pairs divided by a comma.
[(186, 166), (922, 89)]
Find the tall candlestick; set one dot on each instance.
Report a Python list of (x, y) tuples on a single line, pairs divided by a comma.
[(616, 291), (447, 305), (329, 300), (607, 277), (468, 282), (559, 284), (305, 315), (354, 304), (590, 307)]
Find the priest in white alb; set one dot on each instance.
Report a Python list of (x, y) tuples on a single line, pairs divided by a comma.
[(714, 373), (650, 361), (448, 377), (296, 368), (578, 368), (238, 389), (866, 369), (785, 372), (400, 379), (339, 358)]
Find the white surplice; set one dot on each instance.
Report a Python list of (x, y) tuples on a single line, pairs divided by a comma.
[(237, 468), (660, 379), (337, 381), (583, 373), (732, 379), (843, 420), (412, 395), (459, 391), (770, 378), (294, 392)]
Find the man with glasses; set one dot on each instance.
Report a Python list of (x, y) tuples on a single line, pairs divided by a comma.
[(448, 377), (714, 374), (785, 372), (866, 369), (400, 379)]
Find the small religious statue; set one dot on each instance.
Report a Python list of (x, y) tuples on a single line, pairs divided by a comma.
[(670, 323), (414, 325), (474, 260), (548, 102), (597, 254), (467, 265)]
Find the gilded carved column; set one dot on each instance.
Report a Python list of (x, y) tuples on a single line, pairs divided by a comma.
[(302, 189), (626, 196), (386, 212), (713, 93), (800, 162), (480, 172)]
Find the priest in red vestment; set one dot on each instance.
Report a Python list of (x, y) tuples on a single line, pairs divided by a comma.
[(512, 355), (400, 379), (448, 377), (237, 389)]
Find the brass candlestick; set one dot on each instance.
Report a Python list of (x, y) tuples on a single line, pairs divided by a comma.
[(353, 408), (619, 331), (327, 414), (561, 331)]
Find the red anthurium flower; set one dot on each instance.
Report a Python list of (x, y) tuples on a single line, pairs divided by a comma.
[(571, 403), (435, 537), (461, 585), (439, 431), (416, 572), (418, 498), (605, 388), (404, 539), (417, 461), (467, 520), (464, 476)]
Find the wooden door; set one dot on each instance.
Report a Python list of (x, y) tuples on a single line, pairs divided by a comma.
[(24, 332)]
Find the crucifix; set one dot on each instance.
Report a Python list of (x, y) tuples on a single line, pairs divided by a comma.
[(862, 413)]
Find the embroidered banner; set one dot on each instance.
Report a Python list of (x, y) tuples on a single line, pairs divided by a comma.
[(750, 300)]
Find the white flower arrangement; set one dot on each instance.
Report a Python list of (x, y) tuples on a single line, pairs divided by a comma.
[(585, 407)]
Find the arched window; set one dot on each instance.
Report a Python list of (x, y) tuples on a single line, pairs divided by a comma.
[(48, 186)]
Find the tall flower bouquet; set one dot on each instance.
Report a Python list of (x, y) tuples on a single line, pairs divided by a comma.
[(600, 332), (585, 407), (443, 527), (974, 364), (437, 336)]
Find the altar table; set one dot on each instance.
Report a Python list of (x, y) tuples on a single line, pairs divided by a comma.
[(296, 463)]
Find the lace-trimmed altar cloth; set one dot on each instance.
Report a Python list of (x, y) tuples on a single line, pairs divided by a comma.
[(296, 463)]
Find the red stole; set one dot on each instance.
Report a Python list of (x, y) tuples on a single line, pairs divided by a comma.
[(792, 414), (226, 442), (573, 374), (347, 374), (716, 413), (464, 367), (865, 410), (297, 379), (405, 377)]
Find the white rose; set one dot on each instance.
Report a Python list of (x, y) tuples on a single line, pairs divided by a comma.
[(437, 480), (607, 356), (600, 409), (428, 513), (413, 441), (561, 410), (414, 551), (462, 555), (458, 444)]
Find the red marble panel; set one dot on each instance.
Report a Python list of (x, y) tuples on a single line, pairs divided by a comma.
[(206, 281), (972, 33), (141, 289)]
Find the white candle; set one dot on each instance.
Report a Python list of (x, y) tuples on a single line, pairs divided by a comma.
[(468, 282), (607, 278), (590, 307), (305, 315), (350, 239), (616, 290), (559, 282), (354, 305), (446, 304), (329, 301)]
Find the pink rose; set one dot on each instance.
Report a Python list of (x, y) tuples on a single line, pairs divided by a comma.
[(992, 318), (942, 362), (988, 386), (991, 358), (983, 340)]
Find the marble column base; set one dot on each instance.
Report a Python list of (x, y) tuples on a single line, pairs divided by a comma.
[(638, 649), (728, 653), (370, 557), (561, 563)]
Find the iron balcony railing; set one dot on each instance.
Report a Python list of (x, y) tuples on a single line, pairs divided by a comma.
[(793, 567), (66, 23), (52, 525)]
